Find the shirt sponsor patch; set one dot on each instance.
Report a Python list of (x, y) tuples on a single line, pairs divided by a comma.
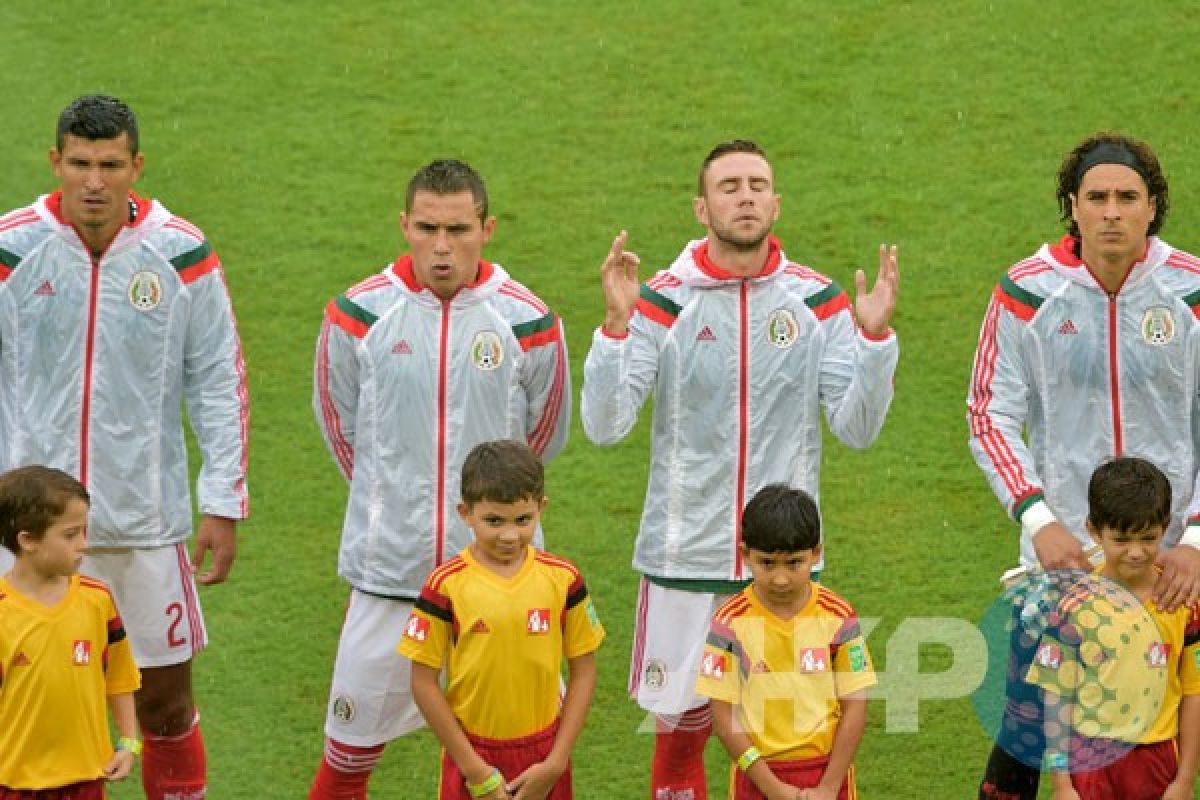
[(714, 665), (537, 621), (417, 628), (81, 653), (1158, 654), (1049, 656), (813, 659)]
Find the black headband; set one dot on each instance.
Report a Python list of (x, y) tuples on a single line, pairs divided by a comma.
[(1109, 153)]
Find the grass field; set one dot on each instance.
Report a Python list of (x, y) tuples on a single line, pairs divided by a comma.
[(287, 130)]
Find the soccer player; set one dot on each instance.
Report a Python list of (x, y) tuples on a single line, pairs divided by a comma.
[(500, 719), (415, 366), (785, 664), (113, 314), (743, 348), (1088, 351), (1129, 510), (63, 649)]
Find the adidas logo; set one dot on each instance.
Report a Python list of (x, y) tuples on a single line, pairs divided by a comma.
[(401, 348), (21, 660), (705, 335), (1068, 327), (480, 627), (46, 289)]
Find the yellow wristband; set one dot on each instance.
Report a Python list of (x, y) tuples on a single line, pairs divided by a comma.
[(486, 787), (132, 745), (746, 760)]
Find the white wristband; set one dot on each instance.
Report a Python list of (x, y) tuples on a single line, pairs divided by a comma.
[(1036, 517)]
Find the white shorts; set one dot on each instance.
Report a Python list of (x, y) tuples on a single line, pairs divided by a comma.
[(668, 640), (371, 702), (156, 597)]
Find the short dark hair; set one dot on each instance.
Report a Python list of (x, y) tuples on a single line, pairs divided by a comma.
[(724, 149), (32, 498), (448, 176), (97, 116), (503, 471), (1069, 176), (1128, 495), (780, 519)]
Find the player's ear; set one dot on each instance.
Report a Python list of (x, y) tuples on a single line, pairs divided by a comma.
[(700, 207), (26, 540), (545, 501), (464, 511), (1092, 530), (817, 552)]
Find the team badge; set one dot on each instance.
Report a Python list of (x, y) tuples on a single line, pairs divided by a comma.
[(858, 658), (782, 329), (813, 659), (417, 628), (1049, 656), (486, 351), (655, 676), (343, 708), (714, 665), (1158, 326), (145, 291), (537, 621), (81, 653), (1158, 654)]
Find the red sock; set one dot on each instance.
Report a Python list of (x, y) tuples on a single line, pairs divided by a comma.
[(344, 771), (174, 767), (677, 772)]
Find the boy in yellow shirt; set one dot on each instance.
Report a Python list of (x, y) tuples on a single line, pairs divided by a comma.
[(785, 663), (63, 649), (501, 617), (1121, 676)]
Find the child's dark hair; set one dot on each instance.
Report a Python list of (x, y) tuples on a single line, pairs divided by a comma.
[(32, 498), (1129, 495), (780, 519), (503, 471)]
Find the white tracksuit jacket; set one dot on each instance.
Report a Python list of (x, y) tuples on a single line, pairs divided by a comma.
[(1085, 376), (740, 369), (97, 358), (406, 385)]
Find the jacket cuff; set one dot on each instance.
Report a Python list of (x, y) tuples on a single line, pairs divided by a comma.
[(614, 337), (883, 337)]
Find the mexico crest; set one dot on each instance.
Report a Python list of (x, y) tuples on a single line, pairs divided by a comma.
[(782, 329), (1158, 326), (486, 351), (145, 291)]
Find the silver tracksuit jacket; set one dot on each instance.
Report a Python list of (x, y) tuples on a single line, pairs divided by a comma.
[(405, 385), (98, 357), (740, 370), (1066, 376)]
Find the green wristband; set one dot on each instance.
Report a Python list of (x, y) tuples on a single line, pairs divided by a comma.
[(132, 745), (486, 787), (746, 760)]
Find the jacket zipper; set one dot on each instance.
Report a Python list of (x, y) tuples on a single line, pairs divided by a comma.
[(440, 513), (743, 414), (1114, 376)]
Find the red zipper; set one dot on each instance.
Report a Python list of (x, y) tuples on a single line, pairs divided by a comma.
[(743, 413), (440, 512), (1114, 376)]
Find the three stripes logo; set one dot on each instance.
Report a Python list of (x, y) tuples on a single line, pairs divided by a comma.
[(45, 290), (705, 335), (401, 348), (1068, 328)]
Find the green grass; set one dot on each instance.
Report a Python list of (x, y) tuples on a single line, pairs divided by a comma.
[(287, 131)]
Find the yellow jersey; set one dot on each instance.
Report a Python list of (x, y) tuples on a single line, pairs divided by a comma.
[(1123, 665), (58, 665), (503, 639), (785, 677)]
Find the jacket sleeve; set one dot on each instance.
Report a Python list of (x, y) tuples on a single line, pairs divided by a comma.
[(997, 410), (546, 379), (618, 375), (856, 381), (218, 403), (335, 388)]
